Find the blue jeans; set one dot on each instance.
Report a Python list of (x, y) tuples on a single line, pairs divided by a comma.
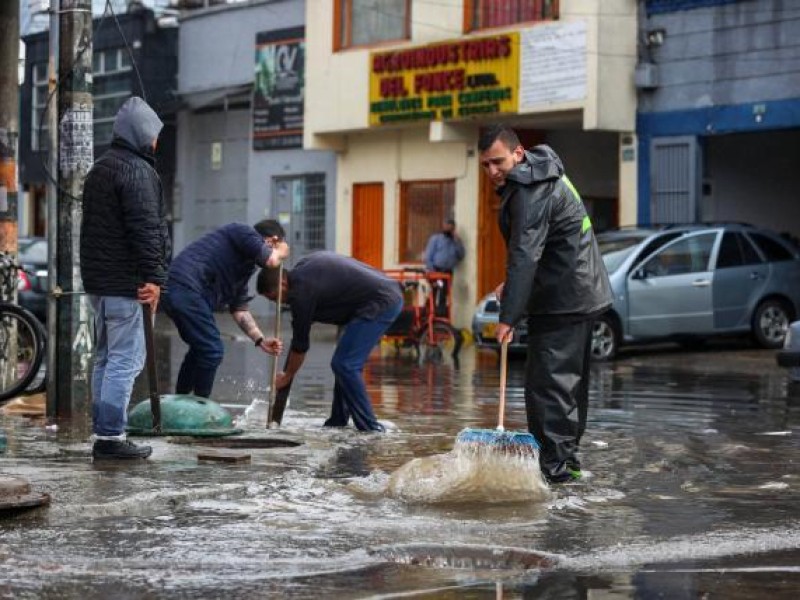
[(350, 397), (194, 318), (119, 358)]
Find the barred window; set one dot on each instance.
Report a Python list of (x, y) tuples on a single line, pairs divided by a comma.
[(484, 14), (111, 88), (38, 106), (367, 22), (424, 205)]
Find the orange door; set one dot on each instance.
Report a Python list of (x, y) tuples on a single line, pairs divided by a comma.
[(491, 247), (367, 244)]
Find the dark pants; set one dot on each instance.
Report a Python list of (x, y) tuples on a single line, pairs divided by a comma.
[(350, 397), (194, 318), (557, 390), (440, 290)]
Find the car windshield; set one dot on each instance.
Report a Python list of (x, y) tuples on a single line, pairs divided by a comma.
[(33, 251), (616, 249)]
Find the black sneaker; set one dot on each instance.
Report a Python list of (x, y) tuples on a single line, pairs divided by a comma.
[(119, 449)]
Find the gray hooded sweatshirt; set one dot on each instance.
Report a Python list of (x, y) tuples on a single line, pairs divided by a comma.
[(137, 123)]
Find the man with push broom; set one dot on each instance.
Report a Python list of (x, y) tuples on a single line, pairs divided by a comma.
[(556, 276)]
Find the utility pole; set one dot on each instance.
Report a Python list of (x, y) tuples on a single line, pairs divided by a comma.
[(9, 134), (9, 124), (70, 335)]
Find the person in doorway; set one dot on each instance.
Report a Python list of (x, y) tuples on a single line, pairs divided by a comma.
[(124, 253), (212, 273), (325, 287), (555, 275), (442, 254)]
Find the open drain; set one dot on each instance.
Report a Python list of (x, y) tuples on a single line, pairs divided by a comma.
[(465, 557), (239, 442)]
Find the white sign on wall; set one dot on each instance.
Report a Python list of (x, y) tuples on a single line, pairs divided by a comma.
[(552, 64)]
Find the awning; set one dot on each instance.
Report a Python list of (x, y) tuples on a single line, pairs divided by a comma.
[(195, 99)]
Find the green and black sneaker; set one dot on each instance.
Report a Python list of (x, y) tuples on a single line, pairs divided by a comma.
[(571, 474)]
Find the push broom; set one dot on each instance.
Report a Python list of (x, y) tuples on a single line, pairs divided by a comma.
[(515, 443)]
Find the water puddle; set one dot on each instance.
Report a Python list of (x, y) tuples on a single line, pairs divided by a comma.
[(694, 490)]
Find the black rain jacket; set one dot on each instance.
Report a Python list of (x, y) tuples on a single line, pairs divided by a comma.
[(554, 264), (124, 236)]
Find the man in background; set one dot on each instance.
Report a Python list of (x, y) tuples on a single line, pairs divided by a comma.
[(442, 254)]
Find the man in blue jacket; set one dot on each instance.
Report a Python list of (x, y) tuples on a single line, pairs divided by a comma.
[(211, 274), (442, 254), (325, 287), (125, 246), (556, 278)]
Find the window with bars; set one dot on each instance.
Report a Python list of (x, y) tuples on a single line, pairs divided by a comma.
[(38, 105), (484, 14), (366, 22), (111, 87), (424, 205), (315, 211)]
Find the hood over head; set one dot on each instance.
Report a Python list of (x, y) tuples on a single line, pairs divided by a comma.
[(541, 163), (137, 123)]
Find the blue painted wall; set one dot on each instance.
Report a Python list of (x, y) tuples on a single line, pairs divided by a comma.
[(723, 68)]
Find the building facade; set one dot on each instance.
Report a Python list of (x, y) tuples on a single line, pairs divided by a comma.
[(400, 90), (719, 112), (240, 133), (151, 47)]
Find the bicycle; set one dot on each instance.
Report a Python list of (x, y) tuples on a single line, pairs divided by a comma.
[(22, 336), (418, 326)]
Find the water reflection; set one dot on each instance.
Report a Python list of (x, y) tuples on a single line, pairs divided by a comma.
[(693, 461)]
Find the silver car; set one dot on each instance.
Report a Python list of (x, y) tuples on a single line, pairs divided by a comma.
[(686, 283)]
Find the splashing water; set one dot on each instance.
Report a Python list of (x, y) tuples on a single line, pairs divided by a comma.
[(254, 416), (470, 473)]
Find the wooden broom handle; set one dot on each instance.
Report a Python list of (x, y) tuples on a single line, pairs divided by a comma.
[(272, 390), (503, 363)]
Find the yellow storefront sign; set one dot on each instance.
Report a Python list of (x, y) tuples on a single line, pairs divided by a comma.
[(445, 81)]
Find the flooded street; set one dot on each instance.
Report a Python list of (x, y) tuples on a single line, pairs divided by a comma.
[(694, 492)]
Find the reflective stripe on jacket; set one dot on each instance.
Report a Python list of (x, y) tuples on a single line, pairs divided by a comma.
[(554, 265)]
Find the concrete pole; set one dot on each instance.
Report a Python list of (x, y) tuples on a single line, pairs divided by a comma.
[(9, 124), (73, 339)]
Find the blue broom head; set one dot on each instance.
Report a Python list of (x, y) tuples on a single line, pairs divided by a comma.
[(514, 441)]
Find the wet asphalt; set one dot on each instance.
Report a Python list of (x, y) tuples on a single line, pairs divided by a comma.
[(693, 491)]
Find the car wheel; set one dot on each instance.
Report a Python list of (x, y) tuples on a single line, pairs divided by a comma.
[(771, 324), (605, 338)]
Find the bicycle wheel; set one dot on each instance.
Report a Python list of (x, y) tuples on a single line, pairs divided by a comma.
[(442, 342), (21, 350)]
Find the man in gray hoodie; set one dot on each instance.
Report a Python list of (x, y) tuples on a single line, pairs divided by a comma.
[(124, 253)]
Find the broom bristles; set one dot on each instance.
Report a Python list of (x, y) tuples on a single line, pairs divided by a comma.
[(503, 441)]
